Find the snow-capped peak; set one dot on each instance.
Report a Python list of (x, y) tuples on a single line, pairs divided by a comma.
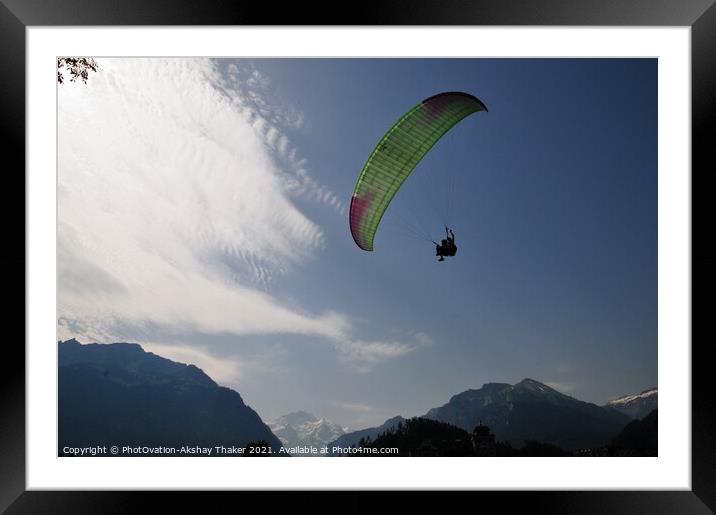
[(630, 398), (637, 405), (304, 429)]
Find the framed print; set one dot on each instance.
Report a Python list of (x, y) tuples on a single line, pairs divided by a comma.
[(460, 236)]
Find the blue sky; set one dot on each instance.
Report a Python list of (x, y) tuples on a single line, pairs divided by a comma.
[(203, 214)]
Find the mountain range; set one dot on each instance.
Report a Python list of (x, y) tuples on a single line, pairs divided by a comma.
[(351, 439), (640, 437), (118, 394), (530, 410), (636, 406), (527, 411), (301, 429)]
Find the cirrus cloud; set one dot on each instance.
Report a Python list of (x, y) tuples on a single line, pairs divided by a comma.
[(175, 208)]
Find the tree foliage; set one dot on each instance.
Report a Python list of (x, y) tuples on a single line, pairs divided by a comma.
[(78, 68), (425, 437)]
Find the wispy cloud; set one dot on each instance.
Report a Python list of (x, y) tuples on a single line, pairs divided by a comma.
[(174, 210), (364, 415), (423, 338), (250, 91), (561, 387), (366, 353), (354, 406), (222, 371)]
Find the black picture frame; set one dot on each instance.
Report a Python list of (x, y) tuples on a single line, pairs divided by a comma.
[(700, 15)]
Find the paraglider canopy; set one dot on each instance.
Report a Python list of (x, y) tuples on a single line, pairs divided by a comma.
[(398, 153)]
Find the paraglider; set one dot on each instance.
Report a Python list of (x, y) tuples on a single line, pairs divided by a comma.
[(395, 157), (447, 246)]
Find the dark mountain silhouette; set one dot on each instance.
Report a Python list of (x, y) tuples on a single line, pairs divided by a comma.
[(118, 394), (638, 438), (531, 411), (424, 437), (530, 449), (352, 439), (636, 406)]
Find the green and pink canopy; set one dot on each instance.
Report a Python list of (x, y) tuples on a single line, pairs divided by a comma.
[(398, 153)]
